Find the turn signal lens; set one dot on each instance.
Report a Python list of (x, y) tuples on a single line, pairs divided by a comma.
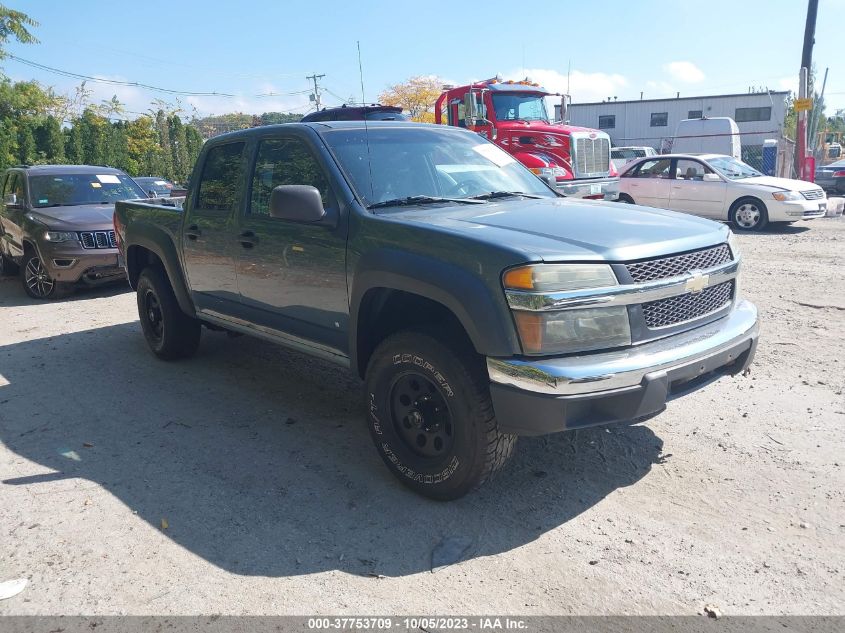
[(568, 331), (559, 277)]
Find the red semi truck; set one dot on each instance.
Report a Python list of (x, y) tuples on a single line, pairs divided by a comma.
[(513, 115)]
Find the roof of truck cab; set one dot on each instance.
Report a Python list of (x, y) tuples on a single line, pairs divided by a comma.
[(319, 126)]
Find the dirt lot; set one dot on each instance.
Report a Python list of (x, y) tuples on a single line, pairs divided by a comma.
[(275, 502)]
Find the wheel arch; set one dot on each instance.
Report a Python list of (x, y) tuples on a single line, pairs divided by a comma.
[(143, 252), (405, 291)]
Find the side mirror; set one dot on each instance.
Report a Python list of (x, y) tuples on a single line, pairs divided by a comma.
[(549, 180), (296, 203), (711, 178), (151, 193)]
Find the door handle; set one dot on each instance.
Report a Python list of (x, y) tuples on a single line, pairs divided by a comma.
[(248, 239), (193, 232)]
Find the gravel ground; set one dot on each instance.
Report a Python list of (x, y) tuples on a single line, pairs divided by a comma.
[(243, 481)]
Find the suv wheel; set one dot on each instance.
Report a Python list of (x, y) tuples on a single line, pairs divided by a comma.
[(170, 332), (37, 281), (430, 415)]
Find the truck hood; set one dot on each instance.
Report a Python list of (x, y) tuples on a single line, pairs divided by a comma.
[(556, 229), (779, 183), (84, 217)]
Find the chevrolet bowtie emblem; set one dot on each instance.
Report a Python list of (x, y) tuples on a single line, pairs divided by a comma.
[(698, 282)]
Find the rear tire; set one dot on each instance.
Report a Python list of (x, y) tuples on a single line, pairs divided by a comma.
[(431, 417), (626, 199), (170, 333), (8, 268), (749, 214)]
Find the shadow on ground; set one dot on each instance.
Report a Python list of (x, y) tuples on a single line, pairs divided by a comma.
[(260, 460), (12, 293)]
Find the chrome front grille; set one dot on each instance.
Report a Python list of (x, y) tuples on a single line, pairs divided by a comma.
[(676, 265), (813, 194), (687, 307), (97, 239), (592, 156)]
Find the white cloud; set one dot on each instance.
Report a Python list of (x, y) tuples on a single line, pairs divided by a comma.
[(685, 72), (584, 87), (659, 90), (788, 83)]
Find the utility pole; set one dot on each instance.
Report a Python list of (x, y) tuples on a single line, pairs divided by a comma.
[(316, 96), (804, 86)]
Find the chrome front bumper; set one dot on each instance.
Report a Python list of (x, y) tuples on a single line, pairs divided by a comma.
[(597, 188), (553, 394)]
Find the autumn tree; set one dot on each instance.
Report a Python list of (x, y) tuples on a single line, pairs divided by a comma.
[(415, 96)]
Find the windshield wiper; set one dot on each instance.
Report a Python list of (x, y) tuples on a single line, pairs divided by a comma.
[(504, 194), (411, 200)]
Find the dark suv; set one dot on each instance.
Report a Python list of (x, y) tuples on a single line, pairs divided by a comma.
[(372, 112), (56, 226)]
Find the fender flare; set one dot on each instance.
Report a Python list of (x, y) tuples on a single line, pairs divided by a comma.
[(484, 315), (161, 245)]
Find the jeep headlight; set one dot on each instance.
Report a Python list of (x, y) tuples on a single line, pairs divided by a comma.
[(783, 196), (545, 329), (60, 236)]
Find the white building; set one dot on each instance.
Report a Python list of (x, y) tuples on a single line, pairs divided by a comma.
[(652, 122)]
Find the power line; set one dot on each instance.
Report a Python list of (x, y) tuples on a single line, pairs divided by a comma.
[(116, 82), (135, 84)]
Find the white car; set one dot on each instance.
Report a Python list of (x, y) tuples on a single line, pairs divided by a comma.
[(719, 187), (620, 156)]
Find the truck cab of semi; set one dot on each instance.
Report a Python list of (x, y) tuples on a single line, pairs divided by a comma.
[(513, 114)]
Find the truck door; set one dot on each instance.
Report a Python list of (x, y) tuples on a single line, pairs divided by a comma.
[(292, 276), (209, 232)]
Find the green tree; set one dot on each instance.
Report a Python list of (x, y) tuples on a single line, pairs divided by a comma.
[(49, 141), (13, 24)]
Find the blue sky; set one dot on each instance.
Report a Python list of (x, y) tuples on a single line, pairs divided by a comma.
[(616, 48)]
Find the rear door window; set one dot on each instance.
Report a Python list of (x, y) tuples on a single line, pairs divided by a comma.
[(220, 180)]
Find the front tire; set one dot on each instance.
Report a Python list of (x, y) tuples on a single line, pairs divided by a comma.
[(431, 417), (37, 282), (170, 333), (749, 214)]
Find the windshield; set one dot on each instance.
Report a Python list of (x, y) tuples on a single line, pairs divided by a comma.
[(76, 189), (382, 115), (627, 153), (732, 168), (524, 107), (157, 186), (403, 162)]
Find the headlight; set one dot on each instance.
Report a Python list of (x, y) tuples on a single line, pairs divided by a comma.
[(559, 277), (60, 236), (733, 244), (787, 195), (564, 331)]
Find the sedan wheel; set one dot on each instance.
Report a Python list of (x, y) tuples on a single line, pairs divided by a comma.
[(749, 215)]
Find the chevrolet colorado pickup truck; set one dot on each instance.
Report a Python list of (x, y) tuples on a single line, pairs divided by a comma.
[(475, 302)]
